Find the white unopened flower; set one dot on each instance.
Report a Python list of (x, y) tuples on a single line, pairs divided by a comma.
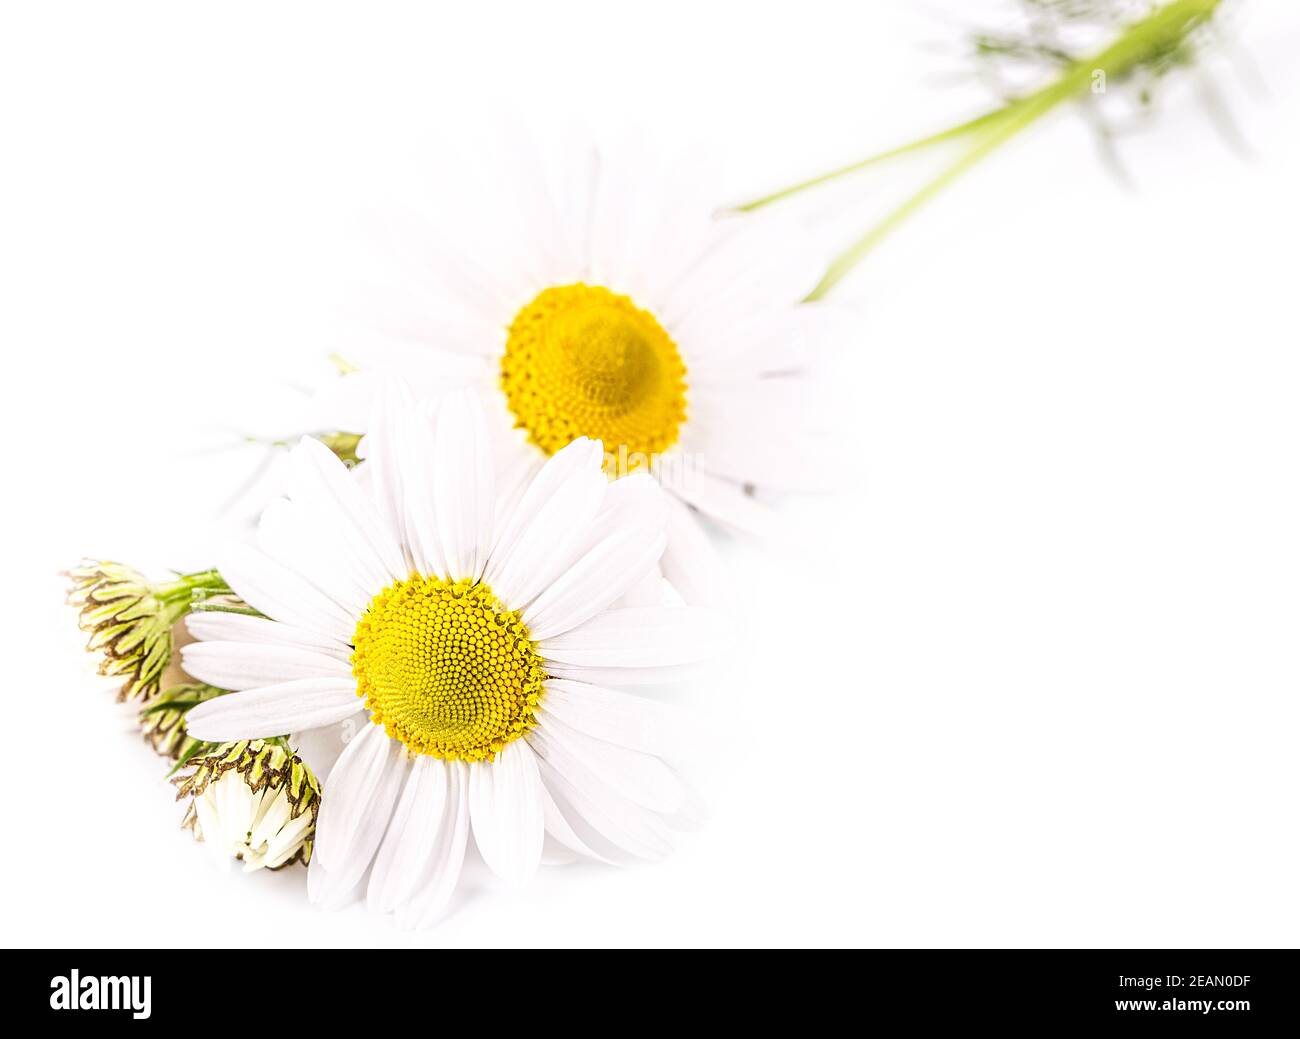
[(253, 801), (476, 639)]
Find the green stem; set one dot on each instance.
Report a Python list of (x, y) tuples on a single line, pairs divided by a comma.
[(1162, 28), (1015, 119), (170, 705), (218, 607), (189, 749), (183, 589), (953, 132)]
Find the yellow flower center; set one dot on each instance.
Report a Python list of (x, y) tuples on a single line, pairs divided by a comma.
[(446, 669), (583, 361)]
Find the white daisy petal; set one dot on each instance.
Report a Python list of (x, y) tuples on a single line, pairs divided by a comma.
[(213, 833), (591, 837), (767, 343), (286, 535), (586, 761), (627, 538), (548, 257), (234, 809), (798, 463), (393, 399), (765, 432), (614, 213), (273, 710), (549, 524), (556, 854), (506, 810), (323, 888), (665, 286), (482, 292), (762, 261), (648, 590), (631, 721), (798, 339), (641, 636), (356, 808), (441, 870), (280, 593), (621, 822), (286, 842), (481, 780), (576, 204), (691, 815), (518, 467), (463, 491), (392, 313), (692, 563), (412, 835), (629, 676), (415, 446), (726, 502), (222, 626), (318, 480), (248, 665), (561, 830)]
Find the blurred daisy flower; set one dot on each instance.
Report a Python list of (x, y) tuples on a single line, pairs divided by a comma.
[(471, 640), (619, 307)]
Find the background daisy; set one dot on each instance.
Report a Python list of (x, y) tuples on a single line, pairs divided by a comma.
[(473, 641), (609, 300)]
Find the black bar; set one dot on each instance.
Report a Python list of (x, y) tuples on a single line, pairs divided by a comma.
[(1136, 989)]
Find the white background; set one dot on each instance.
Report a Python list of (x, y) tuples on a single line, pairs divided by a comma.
[(1029, 678)]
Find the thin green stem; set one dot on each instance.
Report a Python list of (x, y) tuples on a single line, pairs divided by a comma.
[(1162, 28), (953, 132), (1018, 119), (217, 607), (170, 705), (184, 588), (189, 749)]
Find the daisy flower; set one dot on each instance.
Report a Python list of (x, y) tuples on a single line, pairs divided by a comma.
[(619, 307), (471, 640)]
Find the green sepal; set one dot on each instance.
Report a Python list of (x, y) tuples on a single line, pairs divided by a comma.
[(162, 722)]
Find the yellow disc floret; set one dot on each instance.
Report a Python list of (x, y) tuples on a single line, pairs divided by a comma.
[(581, 360), (446, 669)]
